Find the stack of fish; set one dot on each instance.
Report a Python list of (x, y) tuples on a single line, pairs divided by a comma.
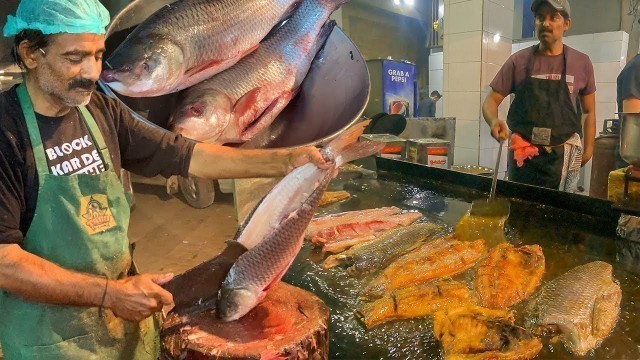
[(236, 65)]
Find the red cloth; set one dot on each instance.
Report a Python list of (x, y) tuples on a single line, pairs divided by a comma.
[(522, 149)]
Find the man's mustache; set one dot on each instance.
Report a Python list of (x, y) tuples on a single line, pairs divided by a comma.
[(84, 84)]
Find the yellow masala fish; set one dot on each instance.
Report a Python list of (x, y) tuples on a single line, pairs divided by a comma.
[(509, 275), (416, 301), (433, 260), (476, 333)]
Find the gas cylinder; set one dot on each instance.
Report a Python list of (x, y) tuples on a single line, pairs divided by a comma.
[(604, 158)]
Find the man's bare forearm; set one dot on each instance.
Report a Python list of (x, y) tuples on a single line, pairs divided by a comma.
[(490, 108), (589, 128), (38, 280), (221, 162), (490, 112)]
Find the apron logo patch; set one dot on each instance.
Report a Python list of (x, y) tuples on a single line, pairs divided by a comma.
[(95, 213), (541, 136)]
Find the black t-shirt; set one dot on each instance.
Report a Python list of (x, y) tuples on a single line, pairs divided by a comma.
[(629, 81), (132, 145), (69, 146)]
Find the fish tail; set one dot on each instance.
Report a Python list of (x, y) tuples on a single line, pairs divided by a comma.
[(334, 4), (323, 35), (358, 150), (346, 147)]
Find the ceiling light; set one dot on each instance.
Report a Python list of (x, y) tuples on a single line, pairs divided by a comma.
[(409, 2), (397, 2)]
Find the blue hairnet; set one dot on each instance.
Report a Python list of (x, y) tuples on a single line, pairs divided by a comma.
[(58, 16)]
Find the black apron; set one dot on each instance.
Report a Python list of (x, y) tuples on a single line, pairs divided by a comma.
[(543, 114)]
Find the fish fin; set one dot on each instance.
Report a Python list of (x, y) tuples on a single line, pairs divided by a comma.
[(335, 4), (347, 137), (323, 35), (217, 66), (253, 114), (346, 147), (246, 103), (278, 277), (325, 32)]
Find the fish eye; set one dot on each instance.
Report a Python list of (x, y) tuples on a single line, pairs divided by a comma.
[(145, 67), (196, 110)]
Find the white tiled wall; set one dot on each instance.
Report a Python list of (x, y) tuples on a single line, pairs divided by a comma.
[(477, 42), (436, 79), (607, 52)]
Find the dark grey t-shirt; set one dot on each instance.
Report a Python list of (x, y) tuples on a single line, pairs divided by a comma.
[(427, 108), (580, 77)]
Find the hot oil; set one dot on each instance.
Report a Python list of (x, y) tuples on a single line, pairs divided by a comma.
[(488, 228), (562, 236)]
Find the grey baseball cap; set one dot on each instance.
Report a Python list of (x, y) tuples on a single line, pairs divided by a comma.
[(560, 5)]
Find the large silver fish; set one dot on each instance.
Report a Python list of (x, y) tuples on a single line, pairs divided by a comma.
[(583, 304), (275, 232), (238, 103), (189, 41)]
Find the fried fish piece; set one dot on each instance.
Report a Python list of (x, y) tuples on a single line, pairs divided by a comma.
[(332, 197), (476, 333), (509, 275), (583, 304), (433, 260), (417, 301)]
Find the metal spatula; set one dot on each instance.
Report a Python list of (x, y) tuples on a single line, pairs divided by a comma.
[(486, 218)]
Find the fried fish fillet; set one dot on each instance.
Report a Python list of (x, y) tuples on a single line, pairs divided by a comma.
[(331, 197), (433, 260), (509, 275), (417, 301)]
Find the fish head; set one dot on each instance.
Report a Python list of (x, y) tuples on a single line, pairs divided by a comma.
[(150, 68), (202, 116), (234, 303)]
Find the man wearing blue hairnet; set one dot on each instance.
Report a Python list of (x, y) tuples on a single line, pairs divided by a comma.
[(64, 252)]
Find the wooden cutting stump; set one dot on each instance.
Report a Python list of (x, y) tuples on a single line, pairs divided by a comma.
[(290, 323)]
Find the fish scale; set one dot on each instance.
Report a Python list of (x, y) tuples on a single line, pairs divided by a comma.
[(584, 303), (279, 248), (258, 87), (275, 55), (191, 40), (196, 17)]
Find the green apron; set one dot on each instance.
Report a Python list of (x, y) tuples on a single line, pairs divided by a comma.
[(80, 224)]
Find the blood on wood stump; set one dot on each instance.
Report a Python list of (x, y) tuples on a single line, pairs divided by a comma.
[(290, 323)]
